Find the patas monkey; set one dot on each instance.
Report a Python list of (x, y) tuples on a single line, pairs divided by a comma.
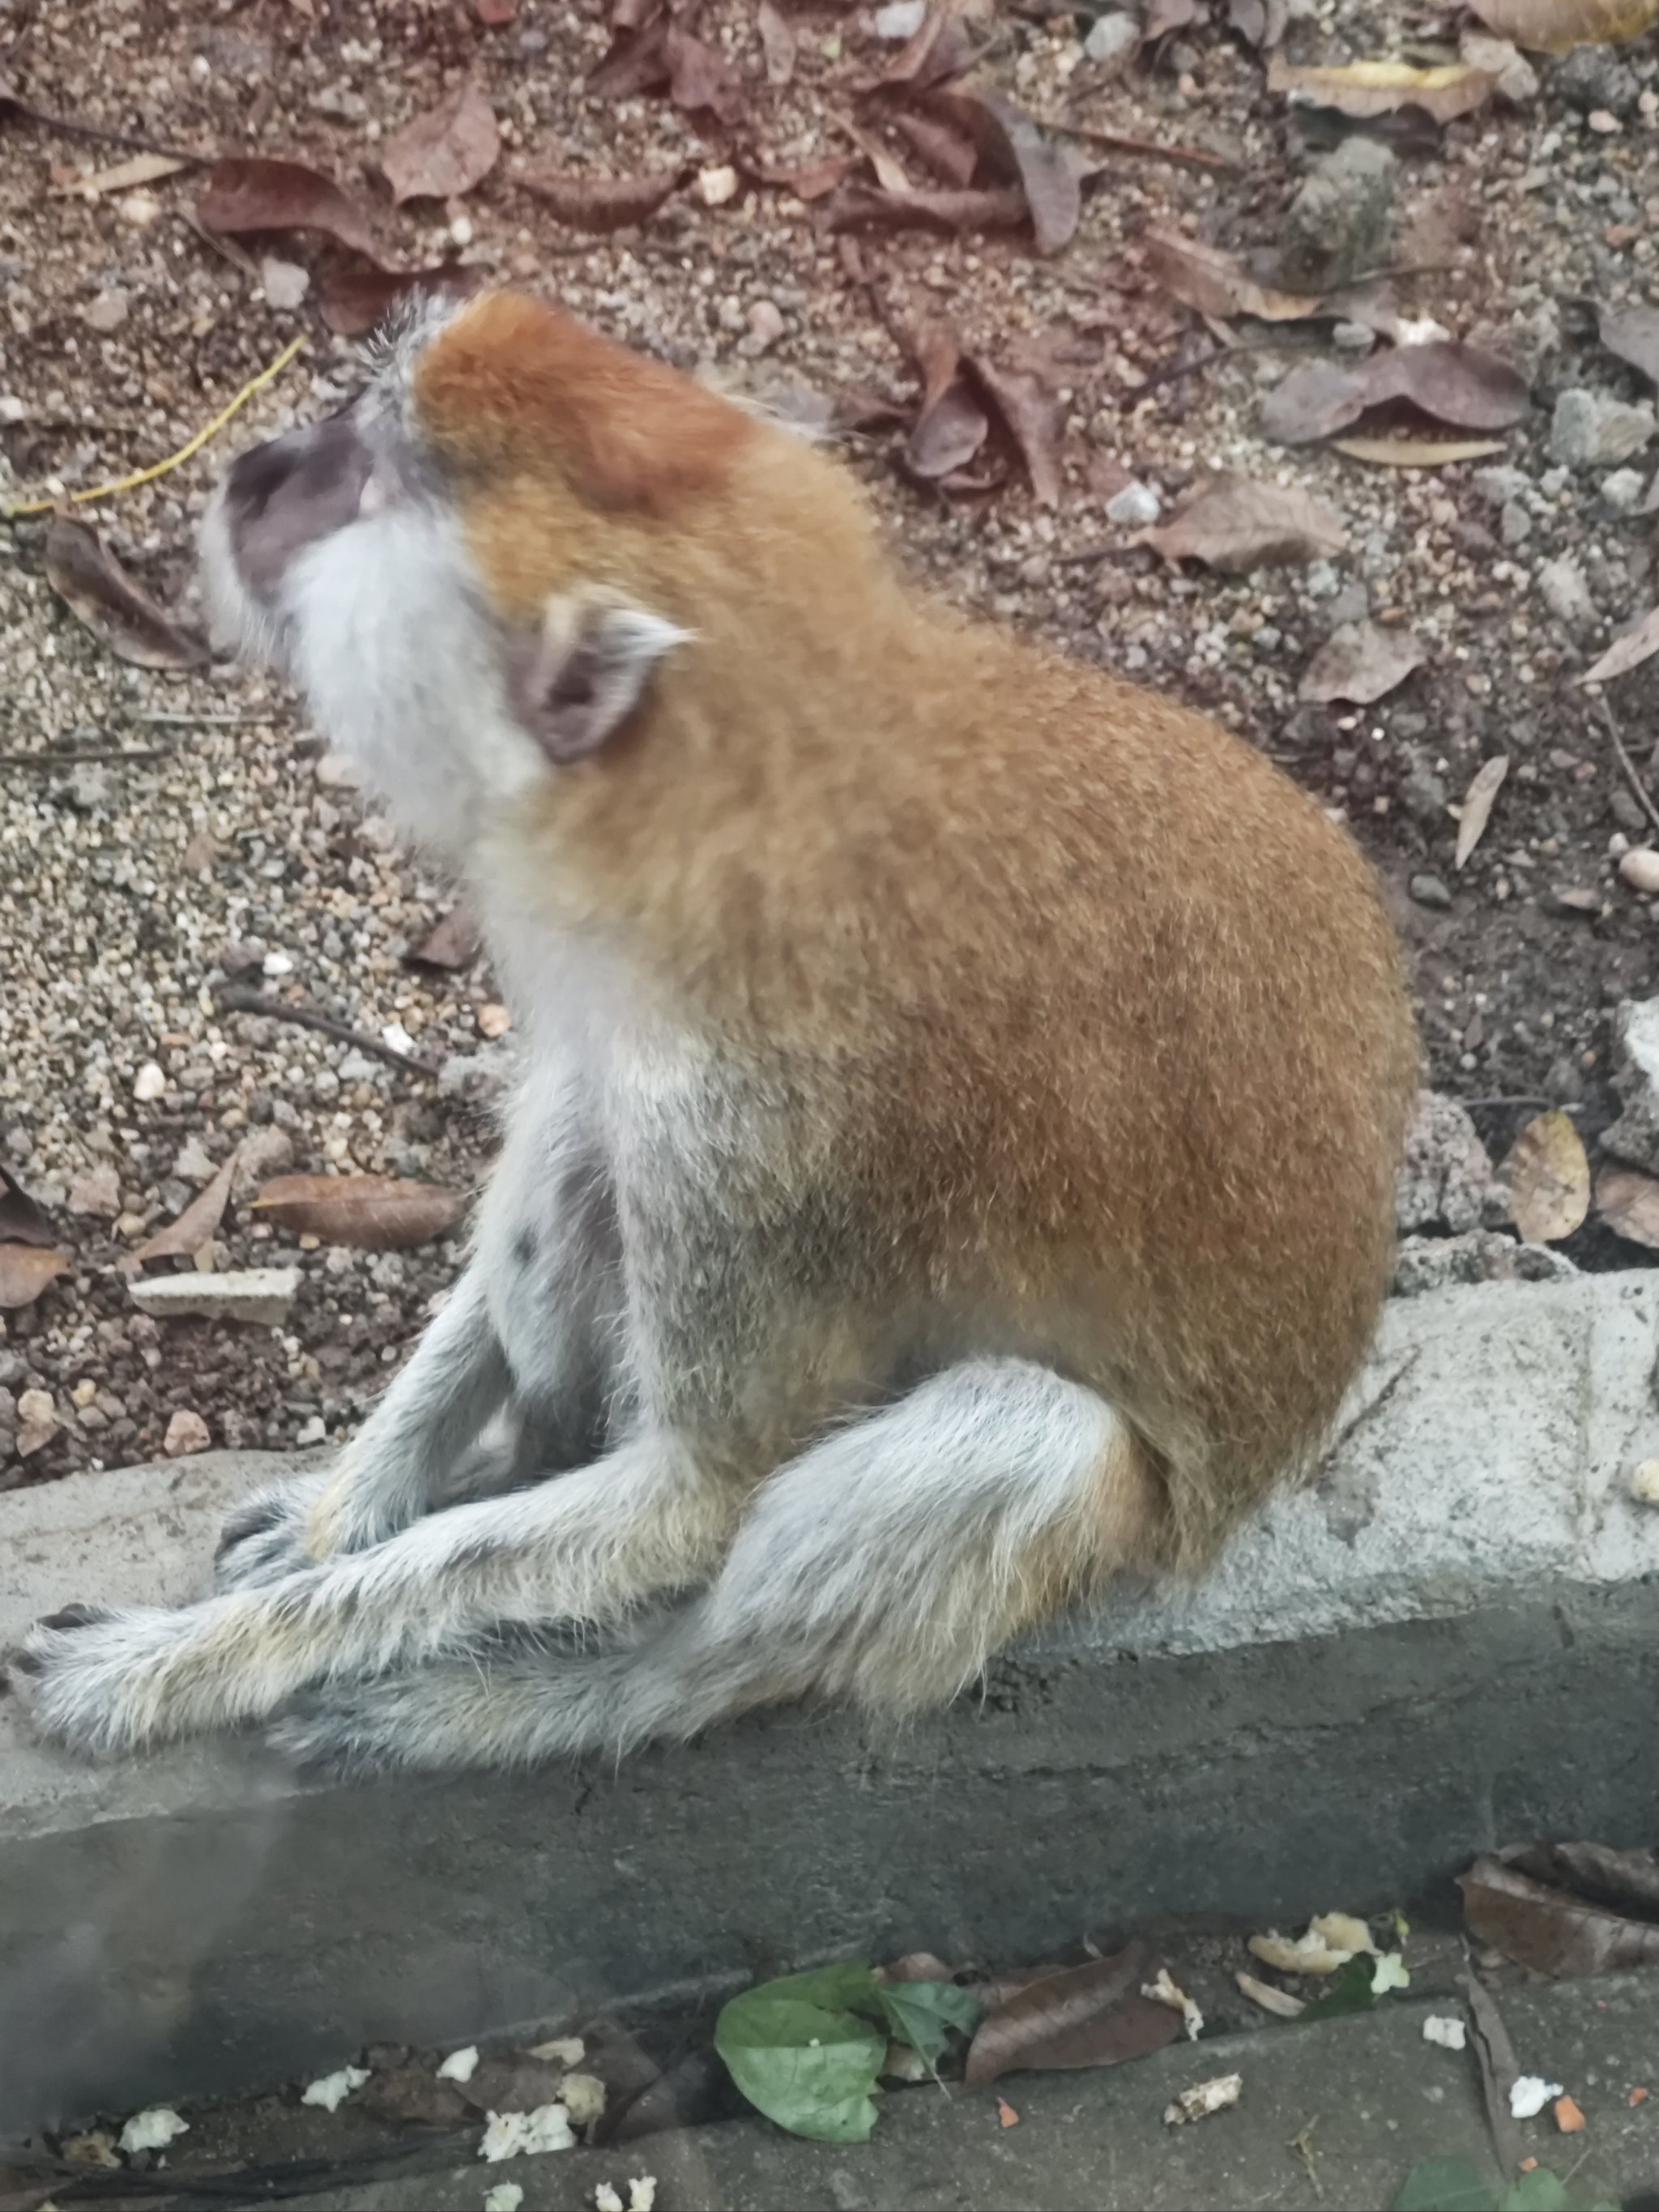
[(953, 1159)]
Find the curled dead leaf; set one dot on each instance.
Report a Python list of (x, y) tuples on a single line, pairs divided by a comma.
[(1552, 26), (1205, 278), (198, 1222), (1359, 662), (1629, 1203), (22, 1221), (355, 295), (1089, 2015), (249, 193), (1549, 1929), (1015, 149), (445, 153), (99, 593), (1416, 453), (981, 207), (946, 151), (1362, 89), (25, 1270), (942, 46), (1636, 645), (953, 426), (777, 42), (1455, 384), (1484, 787), (811, 180), (1235, 524), (373, 1213), (1034, 416), (601, 204), (1549, 1181)]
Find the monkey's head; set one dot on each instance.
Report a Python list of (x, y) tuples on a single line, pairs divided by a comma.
[(489, 571)]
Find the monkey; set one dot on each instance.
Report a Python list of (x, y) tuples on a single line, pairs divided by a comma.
[(951, 1169)]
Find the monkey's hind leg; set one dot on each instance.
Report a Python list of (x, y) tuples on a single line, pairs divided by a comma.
[(886, 1564)]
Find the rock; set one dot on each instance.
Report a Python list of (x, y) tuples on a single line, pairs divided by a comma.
[(1592, 431), (264, 1153), (1644, 1482), (149, 1084), (1634, 1135), (1498, 486), (194, 1162), (1517, 80), (1352, 338), (98, 1191), (1425, 797), (1428, 891), (1445, 1180), (186, 1432), (765, 321), (37, 1421), (900, 19), (1341, 221), (1137, 505), (1112, 41), (1640, 870), (1623, 489), (1482, 1255), (715, 186), (1562, 587), (250, 1294), (1626, 812), (108, 311), (1591, 78), (494, 1021), (285, 282), (1515, 524)]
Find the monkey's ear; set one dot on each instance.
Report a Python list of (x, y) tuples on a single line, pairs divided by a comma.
[(589, 672)]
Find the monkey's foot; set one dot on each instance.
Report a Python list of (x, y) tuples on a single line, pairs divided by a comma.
[(75, 1672)]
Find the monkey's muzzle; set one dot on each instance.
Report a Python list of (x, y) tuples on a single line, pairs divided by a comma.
[(282, 497)]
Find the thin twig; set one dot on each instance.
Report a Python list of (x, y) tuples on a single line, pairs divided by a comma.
[(187, 721), (98, 753), (240, 1001), (1115, 142), (191, 446), (1625, 761), (73, 129)]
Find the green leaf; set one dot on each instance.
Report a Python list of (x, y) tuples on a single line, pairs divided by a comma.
[(808, 2067), (846, 1986), (1349, 1989), (919, 2012), (1443, 2184), (1537, 2191)]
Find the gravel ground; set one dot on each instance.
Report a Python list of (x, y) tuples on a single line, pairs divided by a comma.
[(225, 848)]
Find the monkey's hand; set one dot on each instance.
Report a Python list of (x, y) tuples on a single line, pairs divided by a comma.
[(94, 1680)]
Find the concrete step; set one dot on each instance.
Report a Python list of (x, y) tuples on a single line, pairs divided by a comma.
[(1446, 1642)]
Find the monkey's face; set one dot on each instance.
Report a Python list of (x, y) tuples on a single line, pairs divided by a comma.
[(460, 569)]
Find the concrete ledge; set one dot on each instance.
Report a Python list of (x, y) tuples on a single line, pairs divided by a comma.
[(1448, 1642)]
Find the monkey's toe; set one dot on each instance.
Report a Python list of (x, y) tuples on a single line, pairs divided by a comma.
[(29, 1659)]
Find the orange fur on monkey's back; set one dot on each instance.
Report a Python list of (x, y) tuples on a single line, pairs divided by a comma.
[(1111, 1012)]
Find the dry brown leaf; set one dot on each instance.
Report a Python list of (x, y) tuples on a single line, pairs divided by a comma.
[(454, 942), (25, 1270), (1484, 787), (1456, 384), (494, 14), (1629, 1204), (701, 80), (446, 153), (1416, 453), (22, 1220), (1552, 26), (636, 60), (1627, 1881), (942, 47), (777, 42), (601, 204), (1366, 89), (1034, 416), (889, 171), (355, 296), (811, 180), (1092, 2015), (1016, 150), (1213, 281), (1627, 652), (254, 194), (1235, 524), (1633, 334), (1550, 1929), (951, 426), (1359, 662), (373, 1213), (1549, 1181), (124, 177), (994, 208), (99, 593), (946, 151), (197, 1223)]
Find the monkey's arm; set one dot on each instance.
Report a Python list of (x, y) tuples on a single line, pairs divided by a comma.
[(590, 1547)]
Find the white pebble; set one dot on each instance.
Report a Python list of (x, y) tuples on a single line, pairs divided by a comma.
[(1644, 1482), (1450, 2033), (1136, 505), (1529, 2095), (460, 2065), (900, 19), (153, 2130), (715, 187), (331, 2091), (1640, 869), (148, 1084), (277, 963)]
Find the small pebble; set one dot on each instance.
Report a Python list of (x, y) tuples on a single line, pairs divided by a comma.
[(285, 284), (1640, 870), (187, 1432), (1112, 38), (1137, 505), (149, 1084), (1428, 891), (715, 187), (1644, 1482)]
